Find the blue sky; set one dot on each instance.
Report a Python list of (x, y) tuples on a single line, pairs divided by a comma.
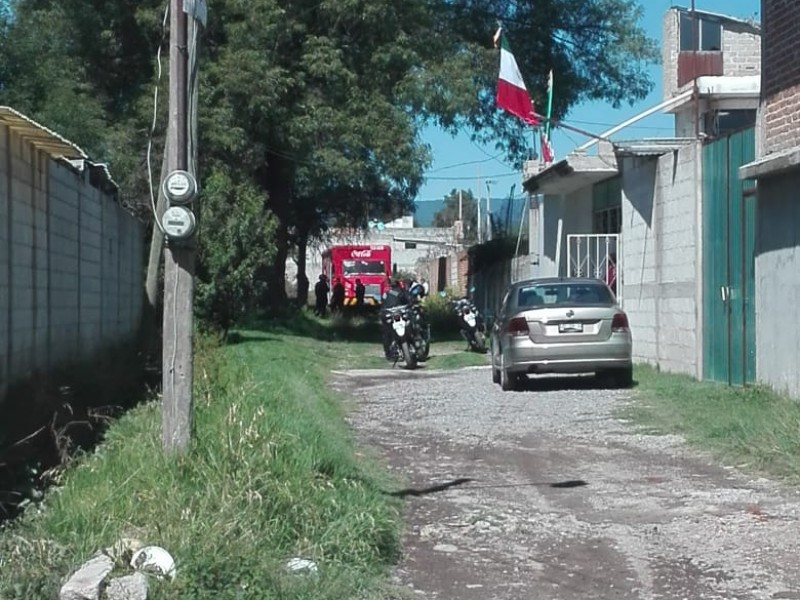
[(595, 117)]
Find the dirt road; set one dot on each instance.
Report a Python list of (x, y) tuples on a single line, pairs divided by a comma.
[(544, 494)]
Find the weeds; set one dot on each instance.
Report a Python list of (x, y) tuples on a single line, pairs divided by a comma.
[(272, 474), (48, 419), (752, 427)]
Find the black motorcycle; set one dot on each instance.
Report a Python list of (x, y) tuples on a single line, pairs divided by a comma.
[(403, 346), (473, 328)]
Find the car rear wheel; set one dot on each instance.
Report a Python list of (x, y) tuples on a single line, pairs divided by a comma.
[(623, 378), (508, 381)]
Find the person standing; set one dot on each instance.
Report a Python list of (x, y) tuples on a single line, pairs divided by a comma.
[(360, 292), (321, 290), (396, 296), (337, 297)]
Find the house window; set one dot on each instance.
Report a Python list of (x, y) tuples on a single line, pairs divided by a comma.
[(410, 245), (724, 122), (708, 30), (607, 206)]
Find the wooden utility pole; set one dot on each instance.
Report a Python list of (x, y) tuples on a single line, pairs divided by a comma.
[(179, 260)]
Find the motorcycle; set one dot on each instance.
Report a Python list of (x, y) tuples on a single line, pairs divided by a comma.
[(473, 329), (403, 344)]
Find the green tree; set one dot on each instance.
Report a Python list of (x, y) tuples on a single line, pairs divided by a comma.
[(236, 248), (448, 215), (317, 105)]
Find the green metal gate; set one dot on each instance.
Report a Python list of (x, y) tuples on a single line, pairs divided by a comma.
[(729, 212)]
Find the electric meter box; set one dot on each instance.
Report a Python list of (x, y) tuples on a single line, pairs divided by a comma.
[(178, 222), (180, 187)]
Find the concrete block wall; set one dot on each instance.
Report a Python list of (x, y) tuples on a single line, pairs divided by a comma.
[(639, 254), (741, 50), (659, 232), (777, 281), (780, 85), (5, 271), (669, 52), (71, 263)]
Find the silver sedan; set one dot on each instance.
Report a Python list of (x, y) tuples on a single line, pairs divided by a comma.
[(560, 326)]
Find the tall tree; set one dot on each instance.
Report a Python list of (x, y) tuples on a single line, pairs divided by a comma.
[(317, 105), (448, 215)]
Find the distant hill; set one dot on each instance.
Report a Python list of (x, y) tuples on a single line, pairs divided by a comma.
[(426, 209)]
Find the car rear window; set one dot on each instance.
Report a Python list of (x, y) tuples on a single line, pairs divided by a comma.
[(561, 294)]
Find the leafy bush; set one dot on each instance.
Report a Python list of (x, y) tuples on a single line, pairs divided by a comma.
[(441, 315), (235, 249)]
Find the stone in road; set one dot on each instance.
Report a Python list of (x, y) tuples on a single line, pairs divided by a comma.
[(654, 519)]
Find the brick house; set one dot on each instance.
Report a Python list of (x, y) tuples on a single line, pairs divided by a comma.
[(638, 204), (777, 172)]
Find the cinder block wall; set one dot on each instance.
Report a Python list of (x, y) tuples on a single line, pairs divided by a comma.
[(660, 259), (741, 51), (71, 263), (777, 263)]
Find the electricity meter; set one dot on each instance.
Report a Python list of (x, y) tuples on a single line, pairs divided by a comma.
[(180, 187), (179, 222)]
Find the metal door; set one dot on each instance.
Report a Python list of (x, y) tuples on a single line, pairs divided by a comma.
[(728, 261)]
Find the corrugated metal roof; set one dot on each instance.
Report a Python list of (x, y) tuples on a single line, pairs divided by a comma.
[(81, 164), (651, 147), (40, 136), (753, 25)]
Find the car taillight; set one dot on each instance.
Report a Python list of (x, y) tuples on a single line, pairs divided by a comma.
[(518, 326), (620, 323)]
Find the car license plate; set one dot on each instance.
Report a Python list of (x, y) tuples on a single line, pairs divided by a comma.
[(570, 328)]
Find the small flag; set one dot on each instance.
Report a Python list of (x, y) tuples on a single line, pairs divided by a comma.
[(512, 95), (547, 148)]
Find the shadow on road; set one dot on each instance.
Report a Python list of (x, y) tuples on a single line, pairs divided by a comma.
[(430, 490), (571, 483), (556, 384)]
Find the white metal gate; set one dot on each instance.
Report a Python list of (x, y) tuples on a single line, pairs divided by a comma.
[(596, 255)]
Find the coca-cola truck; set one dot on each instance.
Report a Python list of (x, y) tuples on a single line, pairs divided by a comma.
[(371, 264)]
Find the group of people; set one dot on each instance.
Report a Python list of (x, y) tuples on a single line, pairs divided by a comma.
[(322, 289)]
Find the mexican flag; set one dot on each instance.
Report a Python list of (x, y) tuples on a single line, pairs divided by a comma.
[(512, 95)]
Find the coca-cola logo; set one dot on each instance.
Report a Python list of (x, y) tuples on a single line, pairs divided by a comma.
[(361, 254)]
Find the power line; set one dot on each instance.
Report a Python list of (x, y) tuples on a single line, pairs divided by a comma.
[(464, 164), (613, 124), (515, 173)]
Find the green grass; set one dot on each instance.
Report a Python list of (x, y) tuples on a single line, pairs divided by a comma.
[(752, 428), (273, 474)]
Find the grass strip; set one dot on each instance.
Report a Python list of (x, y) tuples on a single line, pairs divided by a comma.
[(752, 428)]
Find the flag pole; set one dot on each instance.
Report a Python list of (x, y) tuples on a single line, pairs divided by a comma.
[(547, 147)]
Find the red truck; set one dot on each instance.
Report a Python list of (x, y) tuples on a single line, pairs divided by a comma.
[(371, 264)]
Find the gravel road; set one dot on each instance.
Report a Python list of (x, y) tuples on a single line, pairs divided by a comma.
[(544, 494)]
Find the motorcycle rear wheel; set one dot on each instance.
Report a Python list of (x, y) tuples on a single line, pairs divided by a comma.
[(408, 356)]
